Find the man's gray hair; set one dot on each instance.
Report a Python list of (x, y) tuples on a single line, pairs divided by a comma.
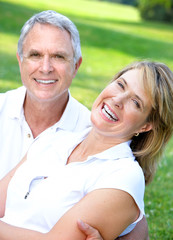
[(57, 20)]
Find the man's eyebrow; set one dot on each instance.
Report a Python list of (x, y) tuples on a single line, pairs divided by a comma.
[(54, 53), (33, 51), (140, 99), (61, 53)]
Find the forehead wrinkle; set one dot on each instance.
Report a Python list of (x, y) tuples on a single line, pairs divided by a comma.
[(56, 45)]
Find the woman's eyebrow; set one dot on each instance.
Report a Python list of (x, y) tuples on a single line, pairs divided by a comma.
[(124, 81)]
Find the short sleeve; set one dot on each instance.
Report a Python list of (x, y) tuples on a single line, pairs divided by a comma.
[(125, 175)]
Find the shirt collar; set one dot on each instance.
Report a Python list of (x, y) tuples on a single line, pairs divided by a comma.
[(72, 139), (121, 150), (66, 122)]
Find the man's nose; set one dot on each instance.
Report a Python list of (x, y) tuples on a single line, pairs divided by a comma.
[(46, 65)]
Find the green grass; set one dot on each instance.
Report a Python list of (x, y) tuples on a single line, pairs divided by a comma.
[(158, 199), (112, 35)]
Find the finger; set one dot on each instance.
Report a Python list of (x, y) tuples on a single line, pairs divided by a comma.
[(91, 232)]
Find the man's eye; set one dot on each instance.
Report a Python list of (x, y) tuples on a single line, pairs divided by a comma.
[(59, 56), (34, 55)]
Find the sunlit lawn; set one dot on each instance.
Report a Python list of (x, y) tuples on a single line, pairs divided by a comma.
[(112, 36)]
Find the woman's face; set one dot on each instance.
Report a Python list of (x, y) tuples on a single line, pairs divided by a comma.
[(122, 108)]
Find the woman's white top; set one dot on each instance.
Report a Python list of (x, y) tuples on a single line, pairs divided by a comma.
[(45, 187)]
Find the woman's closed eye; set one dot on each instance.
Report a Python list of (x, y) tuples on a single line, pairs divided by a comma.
[(137, 104), (121, 85)]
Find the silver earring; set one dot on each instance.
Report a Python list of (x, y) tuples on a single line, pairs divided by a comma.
[(136, 134)]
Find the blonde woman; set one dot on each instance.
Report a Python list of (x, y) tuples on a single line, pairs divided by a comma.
[(98, 175)]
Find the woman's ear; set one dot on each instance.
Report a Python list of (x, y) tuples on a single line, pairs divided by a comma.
[(146, 128)]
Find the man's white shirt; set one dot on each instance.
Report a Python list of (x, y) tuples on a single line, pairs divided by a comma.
[(15, 134)]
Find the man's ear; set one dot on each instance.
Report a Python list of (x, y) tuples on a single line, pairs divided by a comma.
[(18, 59), (77, 65), (146, 128)]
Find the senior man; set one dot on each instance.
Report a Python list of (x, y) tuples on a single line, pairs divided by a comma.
[(49, 56)]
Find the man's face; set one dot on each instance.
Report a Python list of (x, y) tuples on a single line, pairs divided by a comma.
[(48, 67)]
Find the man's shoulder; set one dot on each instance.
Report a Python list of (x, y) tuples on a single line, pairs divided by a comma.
[(10, 97), (13, 92), (83, 110), (79, 115), (80, 107)]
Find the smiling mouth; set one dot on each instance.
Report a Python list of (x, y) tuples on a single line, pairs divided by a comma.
[(45, 81), (109, 114)]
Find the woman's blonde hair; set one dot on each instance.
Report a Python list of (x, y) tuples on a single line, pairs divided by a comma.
[(148, 147)]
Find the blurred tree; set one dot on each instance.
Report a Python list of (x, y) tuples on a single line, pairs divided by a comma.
[(160, 10), (127, 2)]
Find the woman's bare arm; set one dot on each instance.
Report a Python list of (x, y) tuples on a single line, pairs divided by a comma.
[(4, 186), (139, 232), (108, 210)]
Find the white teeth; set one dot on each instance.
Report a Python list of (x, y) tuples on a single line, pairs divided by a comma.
[(45, 81), (110, 115)]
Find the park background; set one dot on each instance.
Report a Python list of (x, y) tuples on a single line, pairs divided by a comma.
[(112, 36)]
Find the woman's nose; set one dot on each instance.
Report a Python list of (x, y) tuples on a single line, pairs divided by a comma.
[(46, 65), (118, 101)]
